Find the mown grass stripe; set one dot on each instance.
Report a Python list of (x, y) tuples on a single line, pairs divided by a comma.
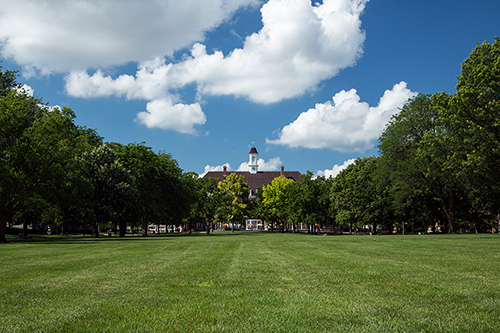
[(252, 282)]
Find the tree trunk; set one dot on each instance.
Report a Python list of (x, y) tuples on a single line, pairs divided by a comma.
[(4, 213), (232, 227), (449, 208), (123, 227), (208, 224), (25, 227), (3, 224), (64, 222), (145, 225), (96, 229)]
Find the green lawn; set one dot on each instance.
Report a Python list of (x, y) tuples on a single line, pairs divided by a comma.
[(252, 282)]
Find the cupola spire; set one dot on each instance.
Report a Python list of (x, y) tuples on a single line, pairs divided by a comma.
[(252, 160)]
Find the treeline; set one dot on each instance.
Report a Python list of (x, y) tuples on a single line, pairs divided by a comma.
[(440, 156), (53, 171), (438, 165)]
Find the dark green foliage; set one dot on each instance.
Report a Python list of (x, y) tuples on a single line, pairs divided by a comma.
[(438, 165), (8, 81), (162, 197), (203, 206), (358, 198), (111, 183), (309, 201), (446, 148), (413, 154), (37, 151), (473, 119)]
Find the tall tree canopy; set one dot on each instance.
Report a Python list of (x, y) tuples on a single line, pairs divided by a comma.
[(203, 207), (111, 185), (232, 200), (473, 121), (309, 201), (157, 180), (37, 146), (414, 153), (275, 200)]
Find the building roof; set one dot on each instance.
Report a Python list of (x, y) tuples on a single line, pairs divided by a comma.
[(253, 151), (257, 180)]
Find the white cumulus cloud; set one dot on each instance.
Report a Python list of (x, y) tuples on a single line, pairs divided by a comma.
[(272, 165), (335, 170), (26, 90), (299, 46), (164, 114), (149, 82), (68, 35), (74, 36), (215, 168), (346, 124)]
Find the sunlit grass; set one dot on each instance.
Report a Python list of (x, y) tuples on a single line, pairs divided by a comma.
[(252, 282)]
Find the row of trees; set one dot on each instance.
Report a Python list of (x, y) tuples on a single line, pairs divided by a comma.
[(53, 171), (438, 164), (38, 146), (447, 146)]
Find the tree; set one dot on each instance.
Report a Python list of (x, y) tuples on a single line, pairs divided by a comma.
[(372, 195), (232, 199), (111, 185), (344, 197), (309, 201), (414, 153), (34, 150), (203, 207), (161, 195), (275, 200), (8, 81), (67, 191), (176, 199), (473, 122)]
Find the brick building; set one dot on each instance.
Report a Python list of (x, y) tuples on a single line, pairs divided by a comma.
[(255, 180)]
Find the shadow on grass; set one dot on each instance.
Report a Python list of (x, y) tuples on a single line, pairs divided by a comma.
[(72, 239), (59, 239)]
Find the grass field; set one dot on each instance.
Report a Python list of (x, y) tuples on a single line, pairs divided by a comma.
[(252, 282)]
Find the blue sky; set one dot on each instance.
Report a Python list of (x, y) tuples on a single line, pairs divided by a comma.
[(310, 84)]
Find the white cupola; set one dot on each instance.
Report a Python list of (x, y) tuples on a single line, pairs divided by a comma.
[(252, 161)]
